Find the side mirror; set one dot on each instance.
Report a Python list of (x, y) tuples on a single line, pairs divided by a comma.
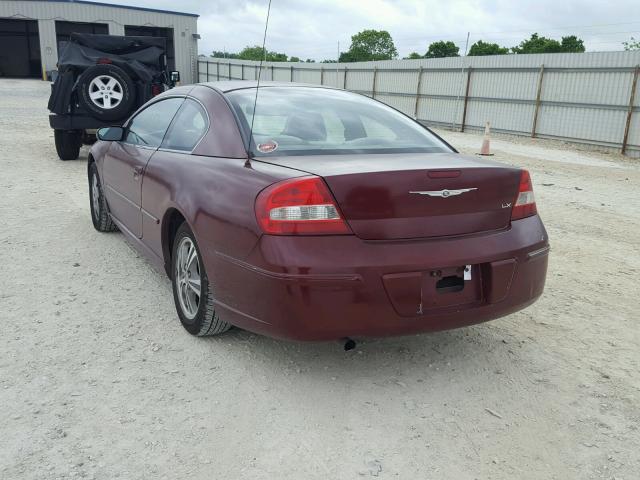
[(110, 134), (174, 76)]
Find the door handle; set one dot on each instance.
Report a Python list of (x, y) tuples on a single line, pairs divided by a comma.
[(137, 171)]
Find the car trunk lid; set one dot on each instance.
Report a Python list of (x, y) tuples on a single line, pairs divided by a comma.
[(406, 196)]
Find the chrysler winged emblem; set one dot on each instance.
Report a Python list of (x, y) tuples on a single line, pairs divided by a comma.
[(444, 193)]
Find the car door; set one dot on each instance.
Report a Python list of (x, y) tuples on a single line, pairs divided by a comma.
[(189, 125), (125, 162)]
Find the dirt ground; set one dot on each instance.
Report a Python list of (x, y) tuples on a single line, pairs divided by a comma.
[(98, 379)]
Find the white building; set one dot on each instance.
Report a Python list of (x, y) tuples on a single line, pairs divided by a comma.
[(30, 31)]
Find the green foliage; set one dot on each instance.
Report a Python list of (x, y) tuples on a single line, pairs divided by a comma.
[(481, 48), (370, 45), (413, 56), (329, 61), (254, 53), (351, 57), (220, 54), (572, 44), (295, 59), (537, 44), (258, 53), (310, 60), (442, 49), (632, 44)]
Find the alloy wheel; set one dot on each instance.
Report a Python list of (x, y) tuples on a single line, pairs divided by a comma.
[(95, 196), (187, 278), (105, 92)]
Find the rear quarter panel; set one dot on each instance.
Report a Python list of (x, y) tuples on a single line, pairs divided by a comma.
[(215, 195)]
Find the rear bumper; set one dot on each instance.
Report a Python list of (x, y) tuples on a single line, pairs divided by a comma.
[(77, 122), (325, 288)]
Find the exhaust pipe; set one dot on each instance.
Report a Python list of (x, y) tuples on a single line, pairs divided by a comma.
[(349, 344)]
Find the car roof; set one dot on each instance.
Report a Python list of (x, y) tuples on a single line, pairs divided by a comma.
[(225, 86)]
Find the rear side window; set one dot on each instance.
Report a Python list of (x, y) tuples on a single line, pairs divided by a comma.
[(148, 127), (188, 128)]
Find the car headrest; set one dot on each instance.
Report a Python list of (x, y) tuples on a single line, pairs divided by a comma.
[(306, 125)]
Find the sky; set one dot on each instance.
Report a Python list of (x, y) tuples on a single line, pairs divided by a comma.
[(313, 28)]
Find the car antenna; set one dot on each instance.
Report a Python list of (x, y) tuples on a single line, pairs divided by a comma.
[(255, 101)]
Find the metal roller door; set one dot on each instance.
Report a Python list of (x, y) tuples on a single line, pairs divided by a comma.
[(20, 52)]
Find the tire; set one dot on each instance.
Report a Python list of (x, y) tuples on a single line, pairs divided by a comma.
[(68, 143), (198, 316), (106, 92), (99, 211)]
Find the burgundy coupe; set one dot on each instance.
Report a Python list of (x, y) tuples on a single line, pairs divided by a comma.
[(314, 213)]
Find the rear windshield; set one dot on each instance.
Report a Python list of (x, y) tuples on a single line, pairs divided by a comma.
[(319, 121)]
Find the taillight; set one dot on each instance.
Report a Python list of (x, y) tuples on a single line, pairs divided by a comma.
[(300, 206), (525, 205), (104, 61)]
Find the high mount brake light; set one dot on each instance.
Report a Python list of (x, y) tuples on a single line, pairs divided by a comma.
[(299, 206), (525, 205)]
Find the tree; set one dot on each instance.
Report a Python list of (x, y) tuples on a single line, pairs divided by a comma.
[(310, 60), (632, 44), (537, 44), (442, 49), (572, 44), (413, 56), (370, 45), (481, 48), (295, 59), (219, 54), (252, 53), (257, 53)]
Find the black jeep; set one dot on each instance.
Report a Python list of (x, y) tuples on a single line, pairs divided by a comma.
[(101, 81)]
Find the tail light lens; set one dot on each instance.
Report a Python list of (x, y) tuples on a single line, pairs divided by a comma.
[(525, 205), (104, 61), (300, 206)]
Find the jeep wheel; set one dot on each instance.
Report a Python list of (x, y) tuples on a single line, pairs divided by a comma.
[(68, 143)]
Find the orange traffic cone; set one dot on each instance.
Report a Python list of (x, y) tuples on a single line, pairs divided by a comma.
[(486, 147)]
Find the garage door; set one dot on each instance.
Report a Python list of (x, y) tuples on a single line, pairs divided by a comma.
[(20, 52), (138, 31), (65, 29)]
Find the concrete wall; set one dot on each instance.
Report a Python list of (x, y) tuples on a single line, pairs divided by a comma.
[(47, 12), (584, 97)]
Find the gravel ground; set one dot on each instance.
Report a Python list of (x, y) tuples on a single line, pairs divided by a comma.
[(99, 380)]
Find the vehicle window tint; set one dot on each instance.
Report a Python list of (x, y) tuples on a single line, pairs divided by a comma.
[(269, 124), (375, 129), (320, 121), (334, 126), (149, 126), (188, 127)]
